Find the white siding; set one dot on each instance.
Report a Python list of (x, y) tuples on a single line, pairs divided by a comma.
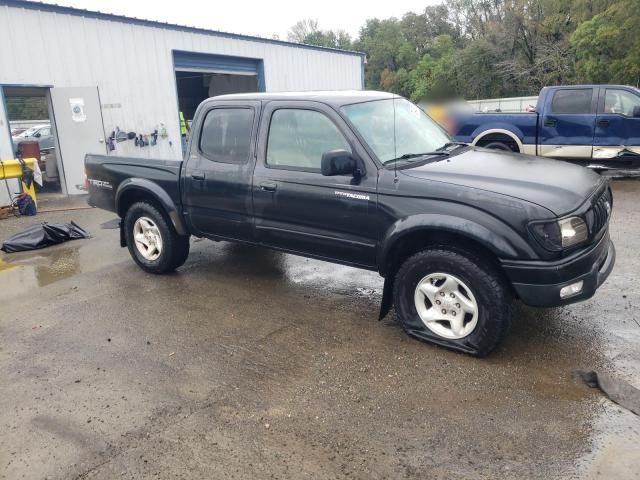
[(132, 65)]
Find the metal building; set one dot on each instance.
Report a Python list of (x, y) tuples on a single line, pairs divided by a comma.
[(106, 78)]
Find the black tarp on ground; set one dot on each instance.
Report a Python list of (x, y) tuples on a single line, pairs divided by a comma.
[(43, 235)]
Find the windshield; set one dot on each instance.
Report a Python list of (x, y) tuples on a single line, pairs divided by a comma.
[(28, 132), (416, 132)]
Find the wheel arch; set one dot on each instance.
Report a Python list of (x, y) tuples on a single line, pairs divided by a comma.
[(134, 190), (498, 132), (420, 231)]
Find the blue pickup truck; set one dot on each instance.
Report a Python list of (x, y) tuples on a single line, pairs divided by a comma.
[(595, 123)]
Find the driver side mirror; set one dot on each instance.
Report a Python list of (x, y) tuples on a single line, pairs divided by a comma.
[(339, 162), (38, 135), (636, 112)]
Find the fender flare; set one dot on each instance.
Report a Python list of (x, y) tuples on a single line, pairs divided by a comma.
[(492, 240), (502, 131), (158, 194)]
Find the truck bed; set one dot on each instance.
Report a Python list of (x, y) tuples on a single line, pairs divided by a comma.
[(468, 125), (106, 174)]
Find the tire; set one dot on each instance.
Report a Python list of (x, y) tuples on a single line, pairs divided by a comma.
[(499, 146), (476, 334), (172, 249)]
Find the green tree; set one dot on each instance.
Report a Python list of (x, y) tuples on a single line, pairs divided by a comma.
[(307, 31), (494, 48), (608, 45), (381, 40)]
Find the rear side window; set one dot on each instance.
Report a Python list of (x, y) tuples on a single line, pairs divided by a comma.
[(226, 135), (298, 138), (572, 101)]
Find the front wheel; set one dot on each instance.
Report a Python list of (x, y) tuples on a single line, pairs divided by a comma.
[(453, 299), (152, 241), (505, 147)]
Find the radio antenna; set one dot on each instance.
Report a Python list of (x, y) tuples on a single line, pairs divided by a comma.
[(395, 151)]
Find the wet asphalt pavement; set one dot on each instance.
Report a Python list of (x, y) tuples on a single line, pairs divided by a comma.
[(248, 363)]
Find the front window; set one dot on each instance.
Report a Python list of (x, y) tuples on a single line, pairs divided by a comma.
[(621, 101), (298, 138), (28, 132), (415, 132)]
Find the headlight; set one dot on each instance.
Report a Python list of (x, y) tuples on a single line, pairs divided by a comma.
[(573, 231), (561, 234)]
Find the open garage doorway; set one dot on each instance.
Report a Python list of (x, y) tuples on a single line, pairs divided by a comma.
[(33, 131), (194, 87), (200, 76)]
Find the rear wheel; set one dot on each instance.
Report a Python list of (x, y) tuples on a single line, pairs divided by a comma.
[(453, 299), (152, 241)]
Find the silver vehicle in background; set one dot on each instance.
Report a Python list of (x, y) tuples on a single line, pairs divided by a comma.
[(40, 133)]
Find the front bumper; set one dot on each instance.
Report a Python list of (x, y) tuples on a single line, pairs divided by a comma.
[(539, 283)]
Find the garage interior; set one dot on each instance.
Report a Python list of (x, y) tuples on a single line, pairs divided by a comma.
[(27, 109), (200, 76), (196, 86)]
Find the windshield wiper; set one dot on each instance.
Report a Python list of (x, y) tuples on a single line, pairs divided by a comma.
[(408, 156), (453, 144)]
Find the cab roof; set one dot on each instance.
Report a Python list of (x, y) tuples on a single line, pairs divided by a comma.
[(335, 98)]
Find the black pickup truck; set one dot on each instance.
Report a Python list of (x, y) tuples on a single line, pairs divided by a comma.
[(366, 179)]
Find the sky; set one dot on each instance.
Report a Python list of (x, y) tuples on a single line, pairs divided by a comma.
[(263, 18)]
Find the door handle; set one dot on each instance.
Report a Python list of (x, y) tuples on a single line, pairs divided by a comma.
[(268, 186), (549, 122), (197, 176), (603, 123)]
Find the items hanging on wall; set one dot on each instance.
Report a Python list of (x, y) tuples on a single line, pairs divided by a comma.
[(139, 139)]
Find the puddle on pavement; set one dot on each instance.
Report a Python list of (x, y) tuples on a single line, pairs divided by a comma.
[(38, 268), (24, 271), (251, 262)]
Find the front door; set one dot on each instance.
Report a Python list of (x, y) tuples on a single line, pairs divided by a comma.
[(618, 124), (217, 178), (566, 128), (298, 209), (79, 128)]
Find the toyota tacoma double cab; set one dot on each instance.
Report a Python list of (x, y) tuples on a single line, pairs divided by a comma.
[(366, 179)]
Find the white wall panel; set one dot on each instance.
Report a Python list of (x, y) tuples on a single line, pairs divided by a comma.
[(132, 65)]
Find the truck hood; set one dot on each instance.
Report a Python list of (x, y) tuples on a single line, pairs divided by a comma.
[(560, 187)]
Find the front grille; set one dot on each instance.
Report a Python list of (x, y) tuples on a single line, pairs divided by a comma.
[(599, 213)]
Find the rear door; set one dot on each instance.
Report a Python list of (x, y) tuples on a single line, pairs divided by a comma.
[(79, 128), (297, 208), (216, 181), (617, 126), (567, 123)]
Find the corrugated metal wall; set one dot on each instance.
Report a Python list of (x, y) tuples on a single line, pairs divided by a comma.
[(132, 65)]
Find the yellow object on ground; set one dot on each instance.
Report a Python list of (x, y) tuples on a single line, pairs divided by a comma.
[(13, 169)]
